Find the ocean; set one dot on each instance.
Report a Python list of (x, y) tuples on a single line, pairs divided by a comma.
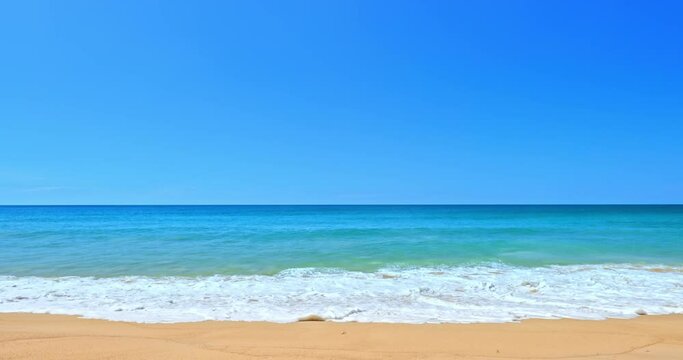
[(407, 263)]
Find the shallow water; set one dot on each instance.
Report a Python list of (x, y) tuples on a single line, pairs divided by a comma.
[(363, 263)]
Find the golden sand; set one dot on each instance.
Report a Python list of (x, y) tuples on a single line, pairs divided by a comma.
[(31, 336)]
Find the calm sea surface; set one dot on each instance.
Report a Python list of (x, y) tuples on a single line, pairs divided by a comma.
[(208, 240)]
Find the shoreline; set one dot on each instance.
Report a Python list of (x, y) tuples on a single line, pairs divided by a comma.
[(472, 294), (45, 336)]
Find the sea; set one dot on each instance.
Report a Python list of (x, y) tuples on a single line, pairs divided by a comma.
[(365, 263)]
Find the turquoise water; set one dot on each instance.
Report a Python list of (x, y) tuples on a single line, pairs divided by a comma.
[(344, 263), (107, 241)]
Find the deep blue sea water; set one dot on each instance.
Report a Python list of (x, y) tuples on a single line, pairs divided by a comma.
[(454, 263)]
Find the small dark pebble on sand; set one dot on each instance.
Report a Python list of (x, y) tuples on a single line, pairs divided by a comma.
[(311, 317)]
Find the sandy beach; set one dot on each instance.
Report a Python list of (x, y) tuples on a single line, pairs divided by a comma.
[(32, 336)]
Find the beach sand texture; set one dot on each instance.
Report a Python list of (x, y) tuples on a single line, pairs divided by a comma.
[(34, 336)]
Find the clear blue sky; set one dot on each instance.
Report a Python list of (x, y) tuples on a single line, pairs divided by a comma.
[(269, 102)]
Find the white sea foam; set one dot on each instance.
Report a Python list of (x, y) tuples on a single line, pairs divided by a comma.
[(491, 293)]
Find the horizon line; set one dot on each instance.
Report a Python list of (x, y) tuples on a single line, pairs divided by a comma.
[(366, 204)]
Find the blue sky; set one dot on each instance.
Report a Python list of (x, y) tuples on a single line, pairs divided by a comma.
[(270, 102)]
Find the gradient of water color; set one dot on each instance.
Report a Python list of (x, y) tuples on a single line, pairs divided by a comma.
[(208, 240), (364, 263)]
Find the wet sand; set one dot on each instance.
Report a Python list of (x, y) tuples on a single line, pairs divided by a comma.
[(32, 336)]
